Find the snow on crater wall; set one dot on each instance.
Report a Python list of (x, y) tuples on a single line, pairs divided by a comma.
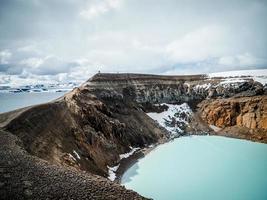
[(174, 118), (256, 75)]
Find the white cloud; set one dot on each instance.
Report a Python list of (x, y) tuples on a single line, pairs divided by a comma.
[(4, 79), (245, 60), (228, 60), (53, 65), (48, 65), (32, 62), (99, 8), (169, 36), (27, 48), (198, 45), (32, 48), (5, 56)]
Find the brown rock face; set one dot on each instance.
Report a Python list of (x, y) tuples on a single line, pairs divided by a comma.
[(84, 132), (243, 112), (78, 131), (248, 112)]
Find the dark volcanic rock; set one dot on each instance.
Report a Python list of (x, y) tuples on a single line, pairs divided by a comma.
[(23, 176), (98, 131)]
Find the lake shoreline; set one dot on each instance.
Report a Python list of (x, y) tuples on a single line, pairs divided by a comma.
[(216, 149), (127, 163)]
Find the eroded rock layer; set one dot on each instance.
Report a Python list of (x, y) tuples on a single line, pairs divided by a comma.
[(244, 116)]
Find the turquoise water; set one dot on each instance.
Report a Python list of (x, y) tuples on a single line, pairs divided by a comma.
[(12, 101), (202, 167)]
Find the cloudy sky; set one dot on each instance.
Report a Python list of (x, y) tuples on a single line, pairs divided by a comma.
[(60, 40)]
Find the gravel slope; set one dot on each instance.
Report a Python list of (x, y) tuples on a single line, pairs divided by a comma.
[(23, 176)]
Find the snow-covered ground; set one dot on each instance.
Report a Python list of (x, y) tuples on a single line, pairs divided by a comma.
[(112, 170), (257, 75), (171, 118), (76, 154), (126, 155), (204, 86), (72, 157), (63, 87)]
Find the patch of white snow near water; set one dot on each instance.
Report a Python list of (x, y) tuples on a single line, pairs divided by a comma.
[(112, 172), (257, 75), (169, 114), (126, 155)]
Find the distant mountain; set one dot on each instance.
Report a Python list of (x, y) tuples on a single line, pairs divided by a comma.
[(57, 87)]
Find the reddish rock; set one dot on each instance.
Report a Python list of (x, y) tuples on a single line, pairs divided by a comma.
[(247, 112)]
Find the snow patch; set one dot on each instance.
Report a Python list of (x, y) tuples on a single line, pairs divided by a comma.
[(262, 79), (72, 157), (238, 73), (126, 155), (205, 86), (256, 75), (232, 80), (76, 154), (187, 84), (171, 118), (112, 172)]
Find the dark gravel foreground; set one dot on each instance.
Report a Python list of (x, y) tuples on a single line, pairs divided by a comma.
[(23, 176)]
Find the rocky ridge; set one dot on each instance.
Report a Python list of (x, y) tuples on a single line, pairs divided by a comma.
[(90, 127)]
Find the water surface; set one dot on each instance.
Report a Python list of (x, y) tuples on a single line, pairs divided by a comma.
[(202, 167), (12, 101)]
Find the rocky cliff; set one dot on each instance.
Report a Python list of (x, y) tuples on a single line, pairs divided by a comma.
[(242, 117), (91, 127), (168, 89), (83, 131)]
